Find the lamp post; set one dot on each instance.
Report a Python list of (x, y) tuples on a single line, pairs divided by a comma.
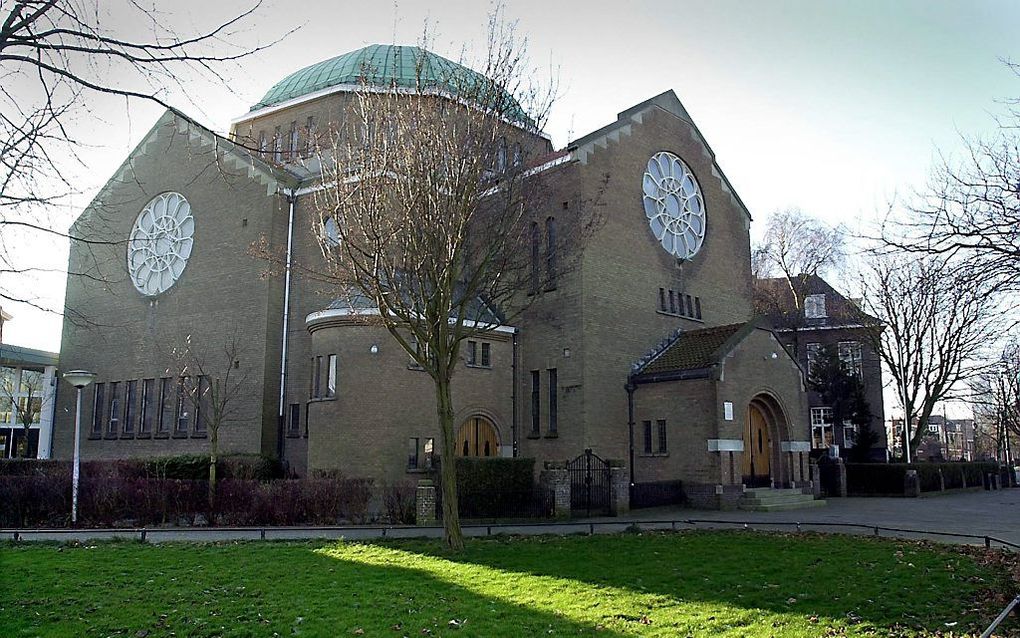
[(79, 379)]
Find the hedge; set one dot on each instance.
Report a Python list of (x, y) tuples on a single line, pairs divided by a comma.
[(45, 501), (867, 479), (185, 467), (496, 487)]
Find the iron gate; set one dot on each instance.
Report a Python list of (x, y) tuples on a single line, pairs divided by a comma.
[(589, 484)]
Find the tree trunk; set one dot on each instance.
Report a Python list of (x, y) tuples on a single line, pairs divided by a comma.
[(214, 441), (448, 467)]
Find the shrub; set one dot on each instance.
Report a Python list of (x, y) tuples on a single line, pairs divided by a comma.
[(887, 478), (184, 467), (399, 503), (496, 488)]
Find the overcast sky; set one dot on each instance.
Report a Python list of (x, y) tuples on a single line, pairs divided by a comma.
[(834, 108)]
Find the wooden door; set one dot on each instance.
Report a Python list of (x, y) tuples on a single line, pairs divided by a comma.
[(756, 449), (477, 437)]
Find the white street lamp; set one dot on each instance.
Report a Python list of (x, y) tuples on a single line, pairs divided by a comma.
[(79, 379)]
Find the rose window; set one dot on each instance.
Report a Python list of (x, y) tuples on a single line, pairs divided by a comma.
[(674, 205), (160, 243)]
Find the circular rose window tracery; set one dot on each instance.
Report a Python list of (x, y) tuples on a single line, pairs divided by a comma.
[(674, 205), (160, 243)]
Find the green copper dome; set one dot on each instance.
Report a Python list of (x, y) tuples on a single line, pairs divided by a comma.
[(380, 65)]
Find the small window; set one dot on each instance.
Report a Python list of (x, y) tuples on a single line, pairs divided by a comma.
[(814, 307), (310, 136), (518, 156), (661, 425), (536, 402), (553, 401), (647, 427), (486, 355), (821, 428), (293, 151), (850, 357), (130, 397), (294, 423), (412, 453), (98, 407), (262, 144), (501, 156), (148, 409), (814, 356), (428, 452), (277, 145), (113, 426), (849, 434), (472, 353), (331, 377)]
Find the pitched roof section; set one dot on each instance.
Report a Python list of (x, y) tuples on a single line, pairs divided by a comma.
[(694, 349), (774, 299)]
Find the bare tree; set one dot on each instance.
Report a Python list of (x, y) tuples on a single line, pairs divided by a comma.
[(938, 321), (213, 382), (996, 402), (26, 399), (440, 222), (58, 61), (970, 209), (797, 246)]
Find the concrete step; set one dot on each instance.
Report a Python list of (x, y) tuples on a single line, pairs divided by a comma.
[(782, 507), (775, 499)]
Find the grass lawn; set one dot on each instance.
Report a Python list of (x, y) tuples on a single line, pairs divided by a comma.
[(698, 583)]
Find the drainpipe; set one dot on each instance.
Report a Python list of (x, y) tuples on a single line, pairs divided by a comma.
[(630, 427), (513, 395), (291, 196)]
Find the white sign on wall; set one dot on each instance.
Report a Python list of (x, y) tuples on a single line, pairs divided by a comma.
[(727, 408)]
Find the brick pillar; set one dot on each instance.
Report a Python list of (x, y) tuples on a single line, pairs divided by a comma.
[(425, 503), (911, 484), (816, 479), (841, 473), (942, 481), (619, 491), (554, 481)]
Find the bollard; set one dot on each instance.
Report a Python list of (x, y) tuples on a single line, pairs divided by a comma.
[(988, 542)]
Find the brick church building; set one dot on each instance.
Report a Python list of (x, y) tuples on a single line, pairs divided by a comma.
[(647, 353)]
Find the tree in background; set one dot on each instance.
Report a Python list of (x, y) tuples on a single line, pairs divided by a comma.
[(843, 391), (939, 318), (996, 404), (26, 401), (797, 246)]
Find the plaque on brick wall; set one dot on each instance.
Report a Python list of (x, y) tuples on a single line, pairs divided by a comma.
[(160, 243), (674, 205)]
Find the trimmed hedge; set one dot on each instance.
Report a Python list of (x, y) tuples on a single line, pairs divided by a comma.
[(45, 501), (183, 467), (870, 479), (494, 487)]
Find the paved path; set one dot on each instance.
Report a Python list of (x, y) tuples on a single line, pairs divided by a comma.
[(995, 513)]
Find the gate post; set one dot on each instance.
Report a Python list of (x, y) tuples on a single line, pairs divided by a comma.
[(619, 491), (425, 503), (555, 482)]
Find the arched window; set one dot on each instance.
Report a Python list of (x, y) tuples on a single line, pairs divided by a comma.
[(501, 156), (550, 252)]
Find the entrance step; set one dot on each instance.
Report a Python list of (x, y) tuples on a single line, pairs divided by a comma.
[(765, 499)]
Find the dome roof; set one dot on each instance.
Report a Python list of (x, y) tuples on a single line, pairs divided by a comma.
[(380, 65)]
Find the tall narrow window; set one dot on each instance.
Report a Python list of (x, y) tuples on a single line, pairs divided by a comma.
[(310, 136), (317, 383), (518, 156), (98, 408), (662, 299), (183, 407), (166, 405), (311, 380), (550, 253), (850, 357), (262, 144), (294, 423), (147, 409), (814, 356), (536, 238), (697, 307), (690, 306), (672, 302), (428, 451), (472, 353), (113, 425), (553, 392), (293, 151), (202, 410), (277, 145), (412, 453), (130, 397), (501, 156), (486, 354), (536, 402), (661, 424), (647, 429), (331, 377)]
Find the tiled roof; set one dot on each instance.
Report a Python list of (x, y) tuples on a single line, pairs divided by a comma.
[(386, 66), (774, 299), (693, 349)]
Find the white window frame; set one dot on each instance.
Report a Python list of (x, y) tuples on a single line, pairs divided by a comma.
[(851, 357), (821, 422), (851, 428), (813, 349), (814, 307)]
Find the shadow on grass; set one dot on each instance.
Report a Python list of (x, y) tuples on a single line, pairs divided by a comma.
[(258, 589), (852, 581)]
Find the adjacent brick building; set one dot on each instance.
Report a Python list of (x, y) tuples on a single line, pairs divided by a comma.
[(596, 363)]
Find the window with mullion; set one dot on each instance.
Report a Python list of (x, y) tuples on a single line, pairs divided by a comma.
[(113, 423), (647, 429), (553, 401), (130, 397), (98, 409), (536, 402), (661, 425)]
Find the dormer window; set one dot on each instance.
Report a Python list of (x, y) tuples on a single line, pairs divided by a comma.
[(814, 307)]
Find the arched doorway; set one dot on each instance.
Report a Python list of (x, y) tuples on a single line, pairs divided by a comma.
[(477, 437), (757, 449)]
